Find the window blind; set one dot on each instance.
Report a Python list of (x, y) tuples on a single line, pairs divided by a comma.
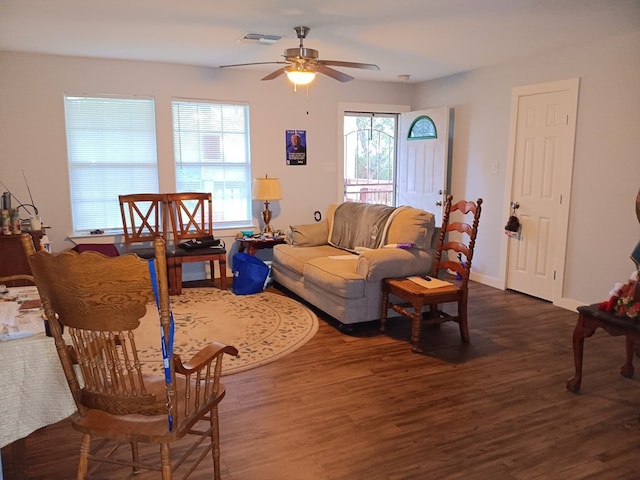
[(211, 147), (112, 150)]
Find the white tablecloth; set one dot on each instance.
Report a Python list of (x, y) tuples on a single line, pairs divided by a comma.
[(33, 390)]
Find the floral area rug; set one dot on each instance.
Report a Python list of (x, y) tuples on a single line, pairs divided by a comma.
[(263, 327)]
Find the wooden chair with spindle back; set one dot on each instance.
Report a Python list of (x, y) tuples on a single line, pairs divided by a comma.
[(100, 300), (454, 254), (143, 220), (191, 217)]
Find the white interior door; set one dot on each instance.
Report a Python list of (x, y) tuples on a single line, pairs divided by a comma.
[(542, 145), (422, 177)]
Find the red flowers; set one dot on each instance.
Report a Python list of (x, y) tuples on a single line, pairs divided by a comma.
[(623, 300)]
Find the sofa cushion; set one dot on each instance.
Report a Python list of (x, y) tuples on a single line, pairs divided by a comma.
[(412, 225), (294, 257), (309, 235), (337, 274)]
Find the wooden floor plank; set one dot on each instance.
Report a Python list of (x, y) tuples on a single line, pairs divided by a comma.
[(358, 406)]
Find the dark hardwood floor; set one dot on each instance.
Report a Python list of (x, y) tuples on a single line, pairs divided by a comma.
[(363, 406)]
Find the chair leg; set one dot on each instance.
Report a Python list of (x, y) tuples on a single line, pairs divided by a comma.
[(83, 462), (176, 279), (165, 461), (462, 320), (416, 324), (135, 457), (215, 441), (384, 308), (222, 264)]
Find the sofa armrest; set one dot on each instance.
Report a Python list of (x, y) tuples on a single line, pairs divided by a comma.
[(378, 264), (309, 235)]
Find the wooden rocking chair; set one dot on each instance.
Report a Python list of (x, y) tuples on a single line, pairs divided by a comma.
[(100, 300)]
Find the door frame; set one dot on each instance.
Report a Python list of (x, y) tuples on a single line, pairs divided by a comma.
[(343, 107), (572, 86)]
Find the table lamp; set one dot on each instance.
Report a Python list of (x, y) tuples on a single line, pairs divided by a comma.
[(266, 189)]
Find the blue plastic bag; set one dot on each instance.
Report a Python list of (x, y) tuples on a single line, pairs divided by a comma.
[(249, 274)]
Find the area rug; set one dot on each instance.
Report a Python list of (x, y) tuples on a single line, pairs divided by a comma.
[(263, 327)]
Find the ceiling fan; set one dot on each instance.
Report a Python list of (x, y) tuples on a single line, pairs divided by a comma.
[(302, 64)]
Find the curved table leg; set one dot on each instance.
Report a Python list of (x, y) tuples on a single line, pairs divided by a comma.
[(627, 369), (580, 332)]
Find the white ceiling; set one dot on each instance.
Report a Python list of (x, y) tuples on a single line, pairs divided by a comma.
[(425, 39)]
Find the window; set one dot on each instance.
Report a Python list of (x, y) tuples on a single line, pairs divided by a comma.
[(422, 128), (369, 157), (211, 145), (111, 144)]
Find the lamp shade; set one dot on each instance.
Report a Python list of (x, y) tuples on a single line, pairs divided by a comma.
[(300, 77), (266, 189)]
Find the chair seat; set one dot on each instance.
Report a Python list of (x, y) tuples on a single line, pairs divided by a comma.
[(181, 252), (148, 428)]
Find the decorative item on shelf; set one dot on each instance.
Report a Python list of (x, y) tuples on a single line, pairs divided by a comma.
[(266, 189), (6, 222)]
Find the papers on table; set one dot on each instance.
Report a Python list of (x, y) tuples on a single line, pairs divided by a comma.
[(429, 282), (8, 312), (20, 313)]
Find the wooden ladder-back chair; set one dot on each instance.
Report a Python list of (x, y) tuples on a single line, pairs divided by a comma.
[(143, 220), (100, 300), (452, 263), (191, 217)]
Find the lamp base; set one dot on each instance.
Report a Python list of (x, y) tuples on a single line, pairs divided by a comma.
[(266, 217)]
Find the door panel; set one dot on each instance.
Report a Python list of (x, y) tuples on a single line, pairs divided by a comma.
[(543, 161), (422, 168)]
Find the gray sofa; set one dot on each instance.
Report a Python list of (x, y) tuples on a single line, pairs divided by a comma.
[(337, 264)]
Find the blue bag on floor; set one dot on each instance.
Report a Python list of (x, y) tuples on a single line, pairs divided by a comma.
[(249, 274)]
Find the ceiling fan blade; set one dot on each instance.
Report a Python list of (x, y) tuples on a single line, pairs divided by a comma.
[(254, 63), (335, 74), (275, 74), (338, 63)]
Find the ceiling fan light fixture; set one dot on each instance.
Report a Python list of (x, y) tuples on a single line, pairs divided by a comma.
[(300, 77)]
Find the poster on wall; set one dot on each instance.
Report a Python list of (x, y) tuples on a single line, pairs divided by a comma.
[(296, 142)]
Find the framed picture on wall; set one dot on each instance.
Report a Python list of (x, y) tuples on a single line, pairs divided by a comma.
[(296, 147)]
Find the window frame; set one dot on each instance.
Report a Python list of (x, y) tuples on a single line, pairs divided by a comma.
[(230, 196), (88, 190)]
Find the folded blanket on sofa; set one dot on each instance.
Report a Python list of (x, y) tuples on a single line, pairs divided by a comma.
[(360, 225)]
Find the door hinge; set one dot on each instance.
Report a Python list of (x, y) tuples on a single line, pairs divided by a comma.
[(554, 274)]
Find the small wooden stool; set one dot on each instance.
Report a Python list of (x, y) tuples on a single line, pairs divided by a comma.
[(590, 318)]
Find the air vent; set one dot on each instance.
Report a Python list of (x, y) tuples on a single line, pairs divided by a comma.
[(260, 38)]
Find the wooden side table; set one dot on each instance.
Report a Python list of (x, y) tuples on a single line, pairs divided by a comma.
[(590, 318), (252, 245)]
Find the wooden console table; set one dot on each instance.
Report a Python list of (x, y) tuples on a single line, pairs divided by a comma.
[(13, 260)]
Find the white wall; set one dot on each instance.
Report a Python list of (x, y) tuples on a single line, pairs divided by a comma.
[(32, 128), (603, 228)]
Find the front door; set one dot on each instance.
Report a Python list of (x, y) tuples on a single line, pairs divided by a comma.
[(422, 176), (542, 140)]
